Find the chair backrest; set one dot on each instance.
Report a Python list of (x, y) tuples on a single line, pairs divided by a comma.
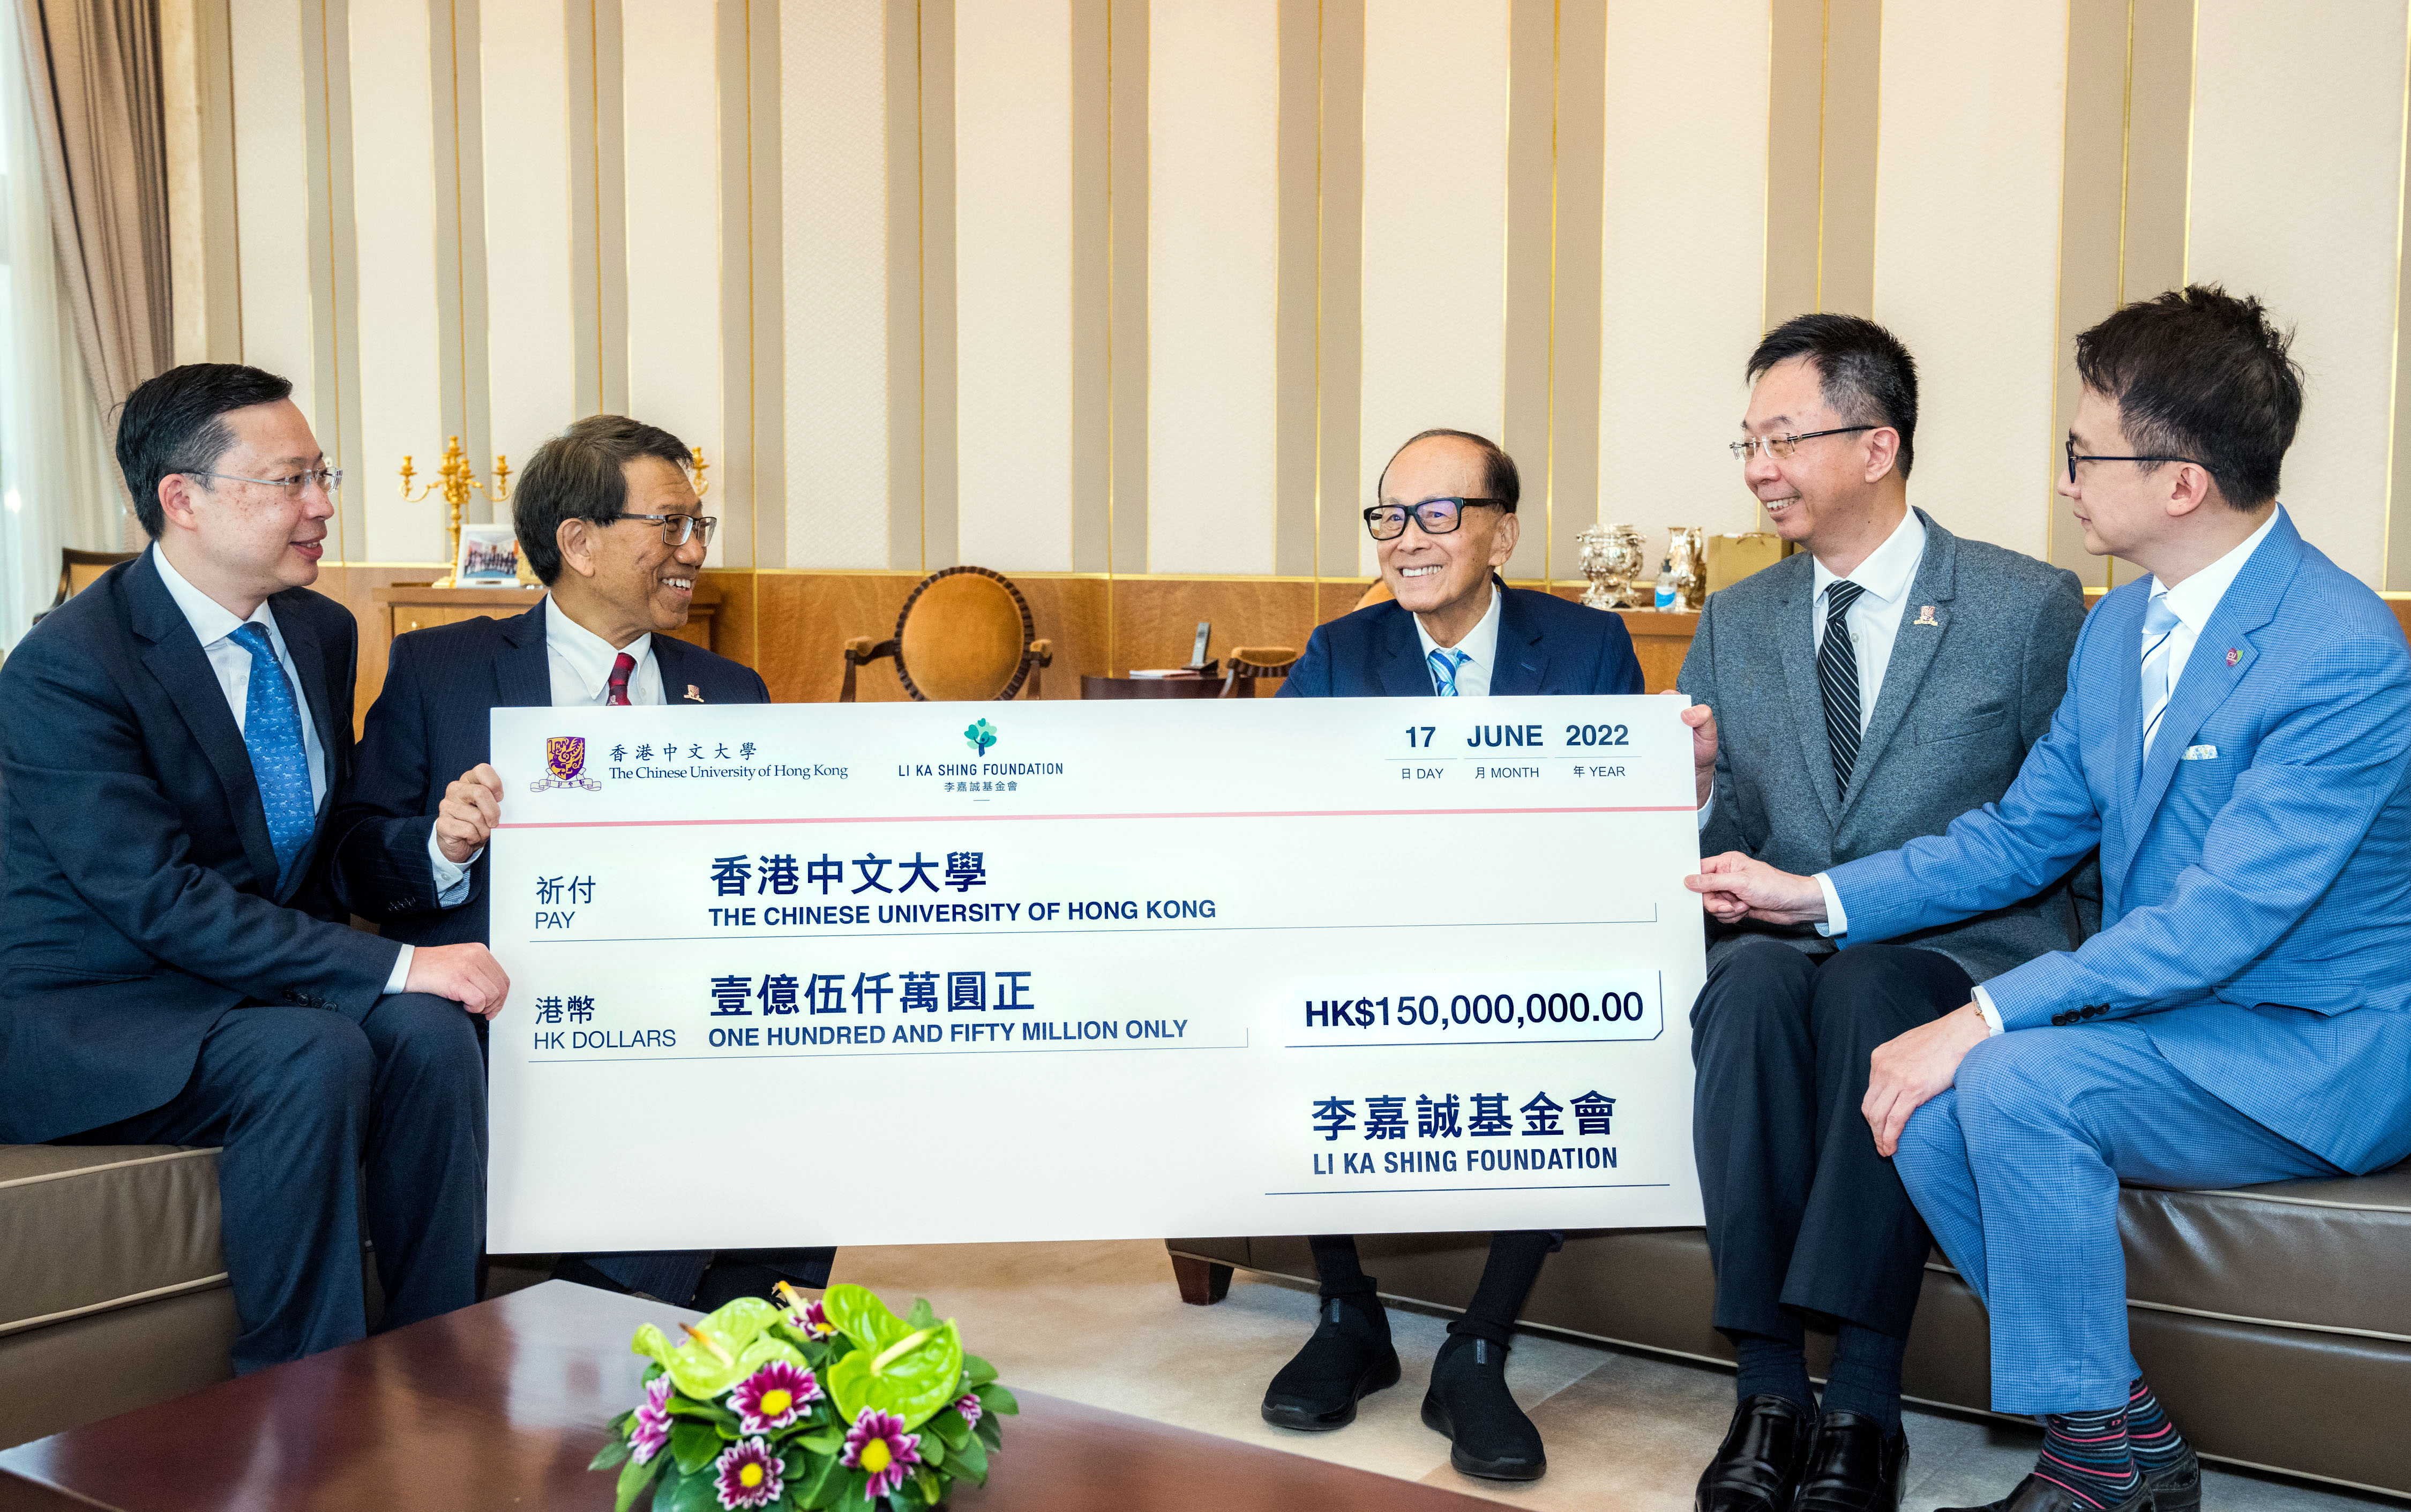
[(79, 570), (964, 633), (1378, 594)]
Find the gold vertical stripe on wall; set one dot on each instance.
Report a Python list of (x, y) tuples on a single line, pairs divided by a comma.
[(1531, 181), (1823, 112), (1339, 277), (1129, 26), (906, 341), (1296, 322), (748, 491), (1108, 334), (334, 287), (934, 541), (457, 94), (2091, 229), (1795, 106), (1574, 478), (598, 207)]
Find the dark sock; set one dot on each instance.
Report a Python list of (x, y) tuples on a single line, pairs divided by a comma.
[(2085, 1454), (1773, 1367), (1507, 1278), (2156, 1445), (1865, 1377), (1337, 1266)]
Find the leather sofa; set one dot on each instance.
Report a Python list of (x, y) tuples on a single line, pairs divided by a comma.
[(2274, 1321)]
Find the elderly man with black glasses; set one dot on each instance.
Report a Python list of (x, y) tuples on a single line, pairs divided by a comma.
[(608, 520), (1445, 522)]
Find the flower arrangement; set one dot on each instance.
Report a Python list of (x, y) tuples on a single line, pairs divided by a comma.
[(833, 1404)]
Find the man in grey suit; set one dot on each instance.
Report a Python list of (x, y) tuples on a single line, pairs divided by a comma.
[(1870, 688)]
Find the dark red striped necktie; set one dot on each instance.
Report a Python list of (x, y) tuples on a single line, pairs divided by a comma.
[(618, 694)]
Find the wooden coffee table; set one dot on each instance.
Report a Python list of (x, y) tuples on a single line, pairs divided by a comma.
[(501, 1405)]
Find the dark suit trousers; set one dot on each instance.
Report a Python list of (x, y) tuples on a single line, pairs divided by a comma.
[(1804, 1216), (302, 1099)]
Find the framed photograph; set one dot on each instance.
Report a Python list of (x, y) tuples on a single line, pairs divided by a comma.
[(490, 557)]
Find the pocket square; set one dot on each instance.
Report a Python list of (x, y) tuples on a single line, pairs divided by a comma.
[(2201, 753)]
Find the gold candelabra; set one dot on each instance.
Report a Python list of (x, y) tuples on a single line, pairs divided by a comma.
[(453, 483), (701, 484)]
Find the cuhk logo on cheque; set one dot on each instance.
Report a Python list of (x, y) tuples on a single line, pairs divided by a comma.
[(564, 757)]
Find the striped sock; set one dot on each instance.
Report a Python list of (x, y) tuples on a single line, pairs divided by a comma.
[(2085, 1454), (2157, 1446)]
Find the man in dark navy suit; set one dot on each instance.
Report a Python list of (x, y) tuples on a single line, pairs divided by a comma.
[(1445, 522), (609, 521), (172, 970)]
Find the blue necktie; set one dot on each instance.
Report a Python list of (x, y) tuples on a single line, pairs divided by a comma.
[(272, 732), (1444, 665), (2159, 629)]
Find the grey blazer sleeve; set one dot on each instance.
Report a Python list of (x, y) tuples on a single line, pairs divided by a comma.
[(1698, 679)]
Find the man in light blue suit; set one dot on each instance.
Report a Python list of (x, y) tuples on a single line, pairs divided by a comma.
[(2236, 738)]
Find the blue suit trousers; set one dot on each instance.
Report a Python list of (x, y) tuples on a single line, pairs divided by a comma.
[(2016, 1170)]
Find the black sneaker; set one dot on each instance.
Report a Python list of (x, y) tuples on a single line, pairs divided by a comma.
[(1348, 1358), (1488, 1435)]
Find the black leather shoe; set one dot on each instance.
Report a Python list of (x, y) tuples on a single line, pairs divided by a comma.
[(1348, 1358), (1853, 1466), (1488, 1435), (2035, 1494), (1758, 1466), (2177, 1489)]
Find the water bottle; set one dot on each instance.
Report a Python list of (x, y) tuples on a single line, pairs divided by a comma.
[(1667, 587)]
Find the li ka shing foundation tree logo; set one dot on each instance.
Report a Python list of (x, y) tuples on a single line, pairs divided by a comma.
[(564, 757), (979, 737)]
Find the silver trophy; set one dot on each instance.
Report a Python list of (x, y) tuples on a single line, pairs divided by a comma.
[(1615, 562)]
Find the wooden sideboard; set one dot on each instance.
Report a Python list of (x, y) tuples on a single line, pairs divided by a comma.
[(405, 607)]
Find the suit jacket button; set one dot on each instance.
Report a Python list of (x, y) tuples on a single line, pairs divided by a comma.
[(2059, 1020)]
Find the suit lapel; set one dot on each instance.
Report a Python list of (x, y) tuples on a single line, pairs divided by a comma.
[(1523, 661), (1792, 633), (1403, 673), (670, 659), (523, 672), (2249, 604), (175, 657), (1913, 649), (310, 667)]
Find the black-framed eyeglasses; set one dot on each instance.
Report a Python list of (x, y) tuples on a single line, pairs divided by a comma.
[(2074, 457), (1784, 445), (1438, 517), (677, 530), (331, 477)]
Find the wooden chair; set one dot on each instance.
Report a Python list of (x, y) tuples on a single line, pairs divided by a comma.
[(1378, 594), (79, 570), (1249, 663), (965, 634)]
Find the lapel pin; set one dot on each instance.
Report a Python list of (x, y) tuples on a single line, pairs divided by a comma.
[(692, 694), (1925, 616), (2233, 655)]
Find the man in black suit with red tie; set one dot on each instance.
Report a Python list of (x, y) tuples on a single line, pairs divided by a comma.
[(608, 521), (172, 970)]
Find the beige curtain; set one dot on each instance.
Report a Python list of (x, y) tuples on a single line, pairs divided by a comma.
[(92, 67)]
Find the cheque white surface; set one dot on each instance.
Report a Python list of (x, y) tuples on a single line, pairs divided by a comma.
[(930, 972)]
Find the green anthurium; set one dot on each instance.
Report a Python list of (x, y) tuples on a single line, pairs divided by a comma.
[(722, 1350), (912, 1376), (862, 1317)]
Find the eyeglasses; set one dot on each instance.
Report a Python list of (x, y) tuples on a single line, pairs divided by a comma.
[(2074, 457), (1784, 445), (677, 530), (1438, 517), (331, 477)]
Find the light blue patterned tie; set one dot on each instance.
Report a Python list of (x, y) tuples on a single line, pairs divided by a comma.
[(1444, 665), (2159, 625), (272, 732)]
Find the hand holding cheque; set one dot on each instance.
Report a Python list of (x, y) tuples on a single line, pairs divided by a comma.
[(1906, 1072)]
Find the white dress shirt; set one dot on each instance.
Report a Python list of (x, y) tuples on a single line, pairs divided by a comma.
[(1480, 648), (581, 663), (214, 624), (2194, 601), (1873, 618)]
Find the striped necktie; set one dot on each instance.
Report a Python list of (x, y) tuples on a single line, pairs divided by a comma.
[(2159, 654), (1837, 679), (272, 733), (1443, 665)]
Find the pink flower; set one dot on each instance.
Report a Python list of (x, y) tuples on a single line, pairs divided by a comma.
[(750, 1474), (650, 1427), (811, 1320), (970, 1409), (878, 1446), (773, 1397)]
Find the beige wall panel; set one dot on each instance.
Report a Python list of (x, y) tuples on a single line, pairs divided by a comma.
[(1013, 283), (1213, 120), (2297, 185), (272, 196), (833, 114), (1967, 259), (531, 350), (1435, 207), (674, 219), (1685, 221), (393, 177)]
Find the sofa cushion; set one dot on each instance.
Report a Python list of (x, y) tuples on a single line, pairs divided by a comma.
[(85, 1229), (2332, 1255)]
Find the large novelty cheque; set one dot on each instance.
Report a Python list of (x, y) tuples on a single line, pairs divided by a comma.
[(925, 973)]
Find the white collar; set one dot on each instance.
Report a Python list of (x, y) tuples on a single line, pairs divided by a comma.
[(1480, 643), (1890, 568), (589, 655), (211, 620), (2196, 599)]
